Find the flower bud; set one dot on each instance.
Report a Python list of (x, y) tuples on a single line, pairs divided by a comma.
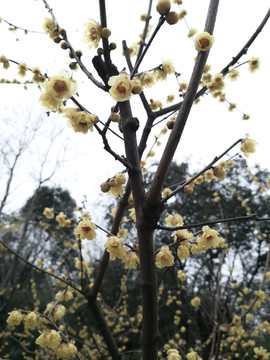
[(78, 53), (105, 187), (188, 189), (100, 51), (64, 45), (62, 32), (112, 182), (113, 46), (163, 6), (115, 117), (57, 39), (172, 17), (170, 124), (73, 65), (105, 32)]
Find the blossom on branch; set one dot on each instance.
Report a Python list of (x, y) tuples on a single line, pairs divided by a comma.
[(164, 257), (80, 121), (15, 318), (57, 89), (248, 146), (121, 87), (92, 33), (48, 213), (86, 230), (254, 64), (204, 41), (131, 260), (115, 248)]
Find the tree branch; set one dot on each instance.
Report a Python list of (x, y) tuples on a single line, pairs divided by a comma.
[(182, 116), (213, 222)]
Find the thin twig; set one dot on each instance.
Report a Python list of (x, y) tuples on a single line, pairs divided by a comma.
[(70, 283), (213, 222), (139, 60), (201, 172), (76, 57)]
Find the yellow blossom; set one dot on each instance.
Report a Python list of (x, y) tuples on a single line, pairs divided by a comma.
[(209, 175), (132, 214), (183, 234), (80, 121), (219, 172), (66, 351), (173, 354), (147, 79), (196, 301), (168, 67), (92, 33), (116, 185), (86, 230), (67, 295), (174, 220), (131, 260), (49, 339), (248, 146), (48, 213), (204, 41), (57, 89), (261, 353), (183, 252), (15, 317), (193, 356), (236, 320), (121, 87), (31, 320), (166, 192), (22, 69), (56, 312), (160, 74), (209, 238), (50, 27), (164, 257), (254, 64), (155, 105), (192, 32), (115, 248), (233, 74), (61, 219), (181, 275)]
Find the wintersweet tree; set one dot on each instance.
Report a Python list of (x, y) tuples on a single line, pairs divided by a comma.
[(122, 331)]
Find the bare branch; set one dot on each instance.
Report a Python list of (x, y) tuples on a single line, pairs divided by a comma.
[(213, 222), (182, 116)]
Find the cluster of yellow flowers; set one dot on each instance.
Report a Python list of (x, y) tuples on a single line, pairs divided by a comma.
[(60, 218), (121, 87), (51, 339), (57, 89), (114, 185), (80, 121), (208, 239)]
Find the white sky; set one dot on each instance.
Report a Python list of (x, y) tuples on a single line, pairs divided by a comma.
[(210, 128)]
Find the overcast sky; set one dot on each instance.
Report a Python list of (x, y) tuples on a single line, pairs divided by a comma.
[(210, 128)]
